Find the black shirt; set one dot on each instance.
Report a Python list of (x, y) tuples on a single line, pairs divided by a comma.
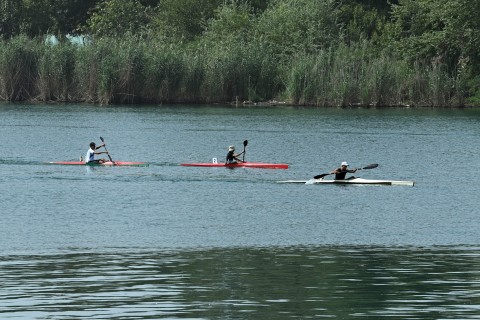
[(230, 156), (341, 174)]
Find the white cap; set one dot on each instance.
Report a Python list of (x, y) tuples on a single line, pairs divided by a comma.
[(344, 163), (231, 148)]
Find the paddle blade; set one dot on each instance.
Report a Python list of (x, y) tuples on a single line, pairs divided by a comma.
[(244, 146), (108, 153), (320, 176), (371, 166)]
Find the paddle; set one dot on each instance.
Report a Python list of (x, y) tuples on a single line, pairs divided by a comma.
[(244, 146), (108, 154), (370, 166)]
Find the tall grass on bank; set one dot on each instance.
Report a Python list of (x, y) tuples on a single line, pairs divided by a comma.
[(349, 76), (110, 72), (194, 78), (165, 71), (56, 68), (239, 71), (18, 69), (135, 70)]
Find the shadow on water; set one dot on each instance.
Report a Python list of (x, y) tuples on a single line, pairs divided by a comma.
[(243, 283)]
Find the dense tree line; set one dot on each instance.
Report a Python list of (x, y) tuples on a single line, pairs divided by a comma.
[(318, 52)]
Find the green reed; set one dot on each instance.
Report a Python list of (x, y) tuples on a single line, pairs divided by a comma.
[(18, 69), (56, 68), (240, 72), (137, 70), (164, 72), (350, 76)]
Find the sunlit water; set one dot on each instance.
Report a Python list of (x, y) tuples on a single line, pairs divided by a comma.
[(167, 241)]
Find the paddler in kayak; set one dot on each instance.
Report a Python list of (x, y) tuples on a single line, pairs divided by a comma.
[(231, 156), (341, 172), (90, 157)]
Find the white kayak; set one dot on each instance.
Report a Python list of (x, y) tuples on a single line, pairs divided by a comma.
[(353, 181)]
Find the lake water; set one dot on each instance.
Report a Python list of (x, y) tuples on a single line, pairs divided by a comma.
[(172, 242)]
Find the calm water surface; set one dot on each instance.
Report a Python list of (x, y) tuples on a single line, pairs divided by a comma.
[(166, 241)]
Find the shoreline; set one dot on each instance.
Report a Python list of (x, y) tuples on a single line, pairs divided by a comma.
[(238, 104)]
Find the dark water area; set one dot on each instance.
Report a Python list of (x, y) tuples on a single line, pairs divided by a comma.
[(244, 283), (166, 241)]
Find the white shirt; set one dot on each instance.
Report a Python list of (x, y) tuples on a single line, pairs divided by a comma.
[(90, 155)]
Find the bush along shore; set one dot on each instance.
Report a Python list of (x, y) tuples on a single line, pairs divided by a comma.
[(302, 52), (132, 70)]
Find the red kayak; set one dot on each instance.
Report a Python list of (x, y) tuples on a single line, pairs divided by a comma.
[(107, 163), (261, 165)]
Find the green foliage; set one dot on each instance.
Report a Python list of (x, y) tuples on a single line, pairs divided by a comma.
[(320, 52), (418, 29), (234, 21), (18, 69), (290, 27), (111, 71), (194, 78), (443, 33), (39, 17), (56, 70), (87, 64), (474, 90), (463, 32), (259, 5), (9, 14), (117, 17), (361, 21), (351, 76), (164, 73), (240, 71), (182, 20), (70, 15)]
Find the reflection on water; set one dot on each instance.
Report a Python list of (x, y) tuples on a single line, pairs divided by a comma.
[(244, 283), (281, 251)]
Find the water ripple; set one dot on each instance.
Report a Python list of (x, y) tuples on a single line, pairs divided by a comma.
[(247, 283)]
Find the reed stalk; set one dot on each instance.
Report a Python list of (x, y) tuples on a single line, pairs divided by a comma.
[(56, 68), (350, 76), (18, 69), (137, 70)]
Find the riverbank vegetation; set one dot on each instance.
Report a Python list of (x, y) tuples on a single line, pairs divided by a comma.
[(308, 52)]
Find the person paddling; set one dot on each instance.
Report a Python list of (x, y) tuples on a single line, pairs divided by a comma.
[(341, 172), (231, 156), (90, 157)]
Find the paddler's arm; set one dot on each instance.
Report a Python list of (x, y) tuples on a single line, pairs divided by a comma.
[(238, 158)]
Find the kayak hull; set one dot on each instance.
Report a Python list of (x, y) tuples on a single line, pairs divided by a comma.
[(260, 165), (354, 181), (107, 163)]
